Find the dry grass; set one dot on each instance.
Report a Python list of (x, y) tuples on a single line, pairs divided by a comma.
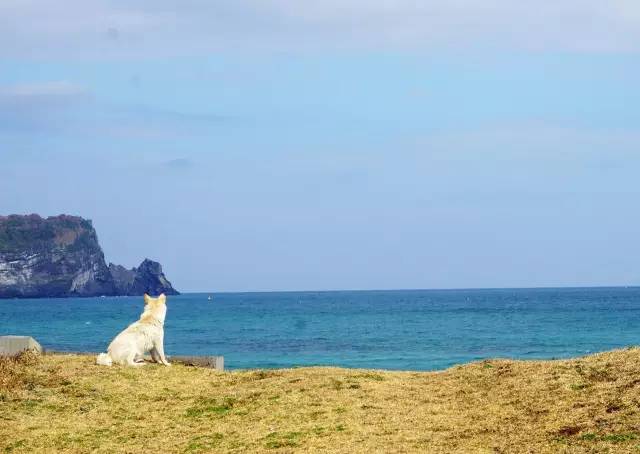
[(67, 404)]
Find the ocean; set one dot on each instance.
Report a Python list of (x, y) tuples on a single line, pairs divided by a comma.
[(400, 330)]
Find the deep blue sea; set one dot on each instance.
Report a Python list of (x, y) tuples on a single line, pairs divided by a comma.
[(412, 330)]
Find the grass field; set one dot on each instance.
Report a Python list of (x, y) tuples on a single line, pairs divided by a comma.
[(68, 404)]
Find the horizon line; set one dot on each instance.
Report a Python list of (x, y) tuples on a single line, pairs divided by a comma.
[(442, 289)]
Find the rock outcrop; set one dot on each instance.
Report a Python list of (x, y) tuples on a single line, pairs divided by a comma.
[(148, 277), (60, 256)]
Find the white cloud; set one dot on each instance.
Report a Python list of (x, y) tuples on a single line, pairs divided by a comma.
[(116, 28), (61, 107)]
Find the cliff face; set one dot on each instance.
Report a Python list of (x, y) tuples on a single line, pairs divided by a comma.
[(60, 256), (51, 257), (148, 277)]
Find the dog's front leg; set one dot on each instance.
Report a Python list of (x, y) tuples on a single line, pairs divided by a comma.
[(159, 347)]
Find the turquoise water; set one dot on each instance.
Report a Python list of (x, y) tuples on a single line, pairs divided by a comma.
[(418, 330)]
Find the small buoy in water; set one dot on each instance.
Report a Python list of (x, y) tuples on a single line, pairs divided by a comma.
[(209, 298)]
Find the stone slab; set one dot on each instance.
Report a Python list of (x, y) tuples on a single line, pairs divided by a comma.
[(13, 345), (212, 362)]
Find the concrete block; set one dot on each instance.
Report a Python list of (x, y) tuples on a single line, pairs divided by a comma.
[(213, 362), (13, 345)]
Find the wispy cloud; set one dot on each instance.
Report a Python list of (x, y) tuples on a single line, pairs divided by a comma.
[(42, 106), (62, 107), (104, 28), (55, 88)]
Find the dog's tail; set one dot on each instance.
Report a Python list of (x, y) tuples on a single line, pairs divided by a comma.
[(104, 359)]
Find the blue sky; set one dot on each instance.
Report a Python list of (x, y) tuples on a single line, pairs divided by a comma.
[(281, 146)]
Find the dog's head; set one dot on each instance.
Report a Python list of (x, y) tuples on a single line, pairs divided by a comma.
[(155, 306), (150, 301)]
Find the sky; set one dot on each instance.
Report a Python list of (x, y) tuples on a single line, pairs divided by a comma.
[(284, 145)]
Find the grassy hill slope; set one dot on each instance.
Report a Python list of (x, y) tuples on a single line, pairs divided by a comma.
[(66, 403)]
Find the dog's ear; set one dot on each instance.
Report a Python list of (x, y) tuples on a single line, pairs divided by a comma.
[(162, 298), (147, 299)]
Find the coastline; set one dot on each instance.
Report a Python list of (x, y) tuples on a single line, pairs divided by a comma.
[(66, 403), (392, 330)]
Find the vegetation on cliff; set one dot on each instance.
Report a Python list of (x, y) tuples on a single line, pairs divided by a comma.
[(32, 233)]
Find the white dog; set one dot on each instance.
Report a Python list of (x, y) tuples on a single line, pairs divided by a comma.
[(145, 335)]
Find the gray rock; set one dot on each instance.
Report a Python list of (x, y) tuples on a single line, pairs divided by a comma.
[(147, 278), (13, 345)]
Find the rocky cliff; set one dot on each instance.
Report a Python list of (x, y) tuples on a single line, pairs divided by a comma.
[(60, 256), (148, 277)]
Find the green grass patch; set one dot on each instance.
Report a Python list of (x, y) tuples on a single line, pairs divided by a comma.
[(13, 446), (209, 407), (204, 443), (278, 440), (611, 438)]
